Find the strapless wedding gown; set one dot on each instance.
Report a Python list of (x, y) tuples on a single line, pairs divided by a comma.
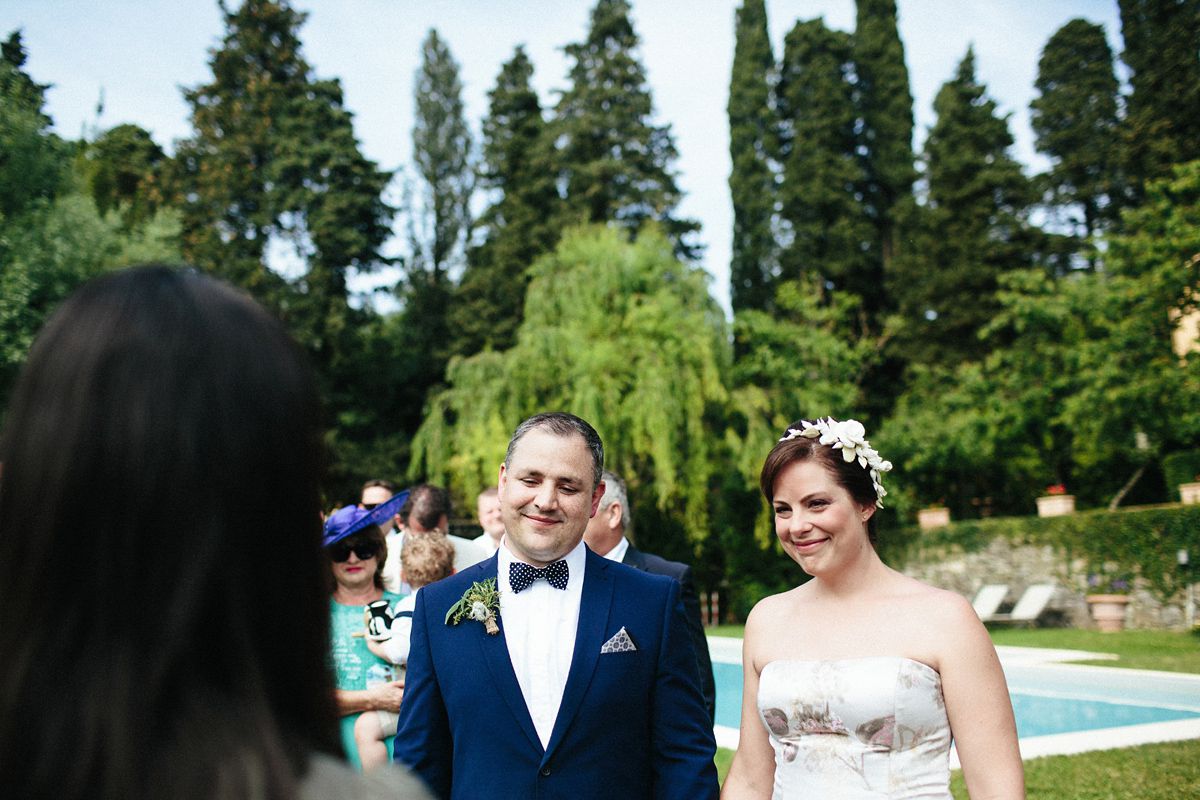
[(856, 729)]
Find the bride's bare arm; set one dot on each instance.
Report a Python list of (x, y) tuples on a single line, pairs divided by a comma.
[(978, 706), (752, 773)]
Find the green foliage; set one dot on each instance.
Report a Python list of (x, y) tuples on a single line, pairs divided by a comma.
[(521, 224), (1143, 541), (1162, 119), (441, 152), (124, 169), (971, 229), (615, 163), (1075, 119), (752, 145), (822, 177), (1179, 467), (885, 106), (622, 334)]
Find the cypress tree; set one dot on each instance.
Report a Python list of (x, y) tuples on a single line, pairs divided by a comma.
[(442, 155), (1075, 119), (885, 107), (822, 177), (752, 145), (519, 225), (1162, 51), (614, 163)]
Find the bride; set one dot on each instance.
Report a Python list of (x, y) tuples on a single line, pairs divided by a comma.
[(856, 680)]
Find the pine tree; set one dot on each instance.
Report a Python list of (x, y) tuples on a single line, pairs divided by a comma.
[(822, 178), (1162, 51), (522, 221), (885, 107), (33, 161), (614, 163), (752, 147), (274, 155), (1075, 119), (971, 228)]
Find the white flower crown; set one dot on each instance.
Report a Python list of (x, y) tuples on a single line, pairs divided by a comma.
[(850, 437)]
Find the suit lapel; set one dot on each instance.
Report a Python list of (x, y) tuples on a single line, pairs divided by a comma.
[(633, 558), (495, 654), (594, 607)]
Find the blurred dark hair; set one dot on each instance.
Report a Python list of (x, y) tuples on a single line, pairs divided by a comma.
[(847, 474), (426, 504), (560, 423), (163, 626)]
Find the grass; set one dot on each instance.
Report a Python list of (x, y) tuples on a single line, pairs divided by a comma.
[(1160, 650), (1164, 771)]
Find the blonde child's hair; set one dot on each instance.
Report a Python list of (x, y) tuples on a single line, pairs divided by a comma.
[(426, 558)]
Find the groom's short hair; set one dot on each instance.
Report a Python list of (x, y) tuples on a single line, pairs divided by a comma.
[(560, 423)]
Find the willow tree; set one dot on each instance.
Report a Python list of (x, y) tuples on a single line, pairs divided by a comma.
[(620, 333)]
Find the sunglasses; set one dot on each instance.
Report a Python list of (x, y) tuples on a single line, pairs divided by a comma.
[(340, 551)]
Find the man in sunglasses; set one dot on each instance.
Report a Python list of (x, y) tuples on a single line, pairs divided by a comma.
[(357, 550)]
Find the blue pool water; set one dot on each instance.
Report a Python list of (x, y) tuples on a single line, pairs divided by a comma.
[(1037, 714)]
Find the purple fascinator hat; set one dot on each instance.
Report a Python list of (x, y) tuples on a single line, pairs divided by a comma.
[(353, 519)]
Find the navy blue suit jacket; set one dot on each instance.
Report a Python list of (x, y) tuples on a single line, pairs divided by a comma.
[(648, 562), (631, 724)]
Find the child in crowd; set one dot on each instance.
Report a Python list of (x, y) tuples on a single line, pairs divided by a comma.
[(424, 558)]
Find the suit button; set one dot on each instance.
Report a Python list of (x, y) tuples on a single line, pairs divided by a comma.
[(545, 772)]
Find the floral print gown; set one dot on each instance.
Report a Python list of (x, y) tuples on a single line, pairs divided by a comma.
[(856, 729)]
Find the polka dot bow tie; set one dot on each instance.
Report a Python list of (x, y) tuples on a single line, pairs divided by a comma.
[(521, 576)]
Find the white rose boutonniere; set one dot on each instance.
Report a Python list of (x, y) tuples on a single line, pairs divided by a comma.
[(481, 603)]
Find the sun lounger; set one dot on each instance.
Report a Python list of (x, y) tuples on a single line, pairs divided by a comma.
[(1031, 605), (988, 599)]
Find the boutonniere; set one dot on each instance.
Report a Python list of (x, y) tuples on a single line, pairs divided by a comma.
[(481, 602)]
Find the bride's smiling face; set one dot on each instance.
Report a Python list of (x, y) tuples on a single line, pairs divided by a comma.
[(819, 525)]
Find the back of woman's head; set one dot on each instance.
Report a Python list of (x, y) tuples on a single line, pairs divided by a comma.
[(161, 602)]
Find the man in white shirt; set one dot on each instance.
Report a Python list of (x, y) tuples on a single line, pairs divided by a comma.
[(490, 519), (589, 685)]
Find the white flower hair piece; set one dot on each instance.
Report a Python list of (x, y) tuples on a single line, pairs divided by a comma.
[(850, 437)]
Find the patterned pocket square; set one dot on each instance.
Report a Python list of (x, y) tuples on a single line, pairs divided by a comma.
[(620, 643)]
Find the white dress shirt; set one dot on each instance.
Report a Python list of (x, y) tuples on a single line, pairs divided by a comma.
[(618, 551), (539, 629)]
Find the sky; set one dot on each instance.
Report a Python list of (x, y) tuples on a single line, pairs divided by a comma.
[(140, 53)]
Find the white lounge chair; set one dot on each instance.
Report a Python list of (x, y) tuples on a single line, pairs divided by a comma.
[(1031, 605), (988, 599)]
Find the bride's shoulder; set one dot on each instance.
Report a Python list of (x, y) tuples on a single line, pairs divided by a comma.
[(941, 605)]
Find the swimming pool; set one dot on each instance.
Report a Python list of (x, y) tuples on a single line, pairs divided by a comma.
[(1049, 698)]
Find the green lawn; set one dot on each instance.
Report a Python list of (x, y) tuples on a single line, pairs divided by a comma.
[(1165, 771)]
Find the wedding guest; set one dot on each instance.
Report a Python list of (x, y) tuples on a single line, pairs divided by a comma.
[(366, 684), (487, 509), (855, 680), (178, 648)]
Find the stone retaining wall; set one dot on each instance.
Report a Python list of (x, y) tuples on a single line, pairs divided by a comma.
[(1022, 565)]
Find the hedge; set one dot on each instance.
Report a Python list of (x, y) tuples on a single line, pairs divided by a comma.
[(1143, 541)]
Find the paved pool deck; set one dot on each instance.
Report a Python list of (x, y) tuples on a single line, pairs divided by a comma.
[(1035, 670)]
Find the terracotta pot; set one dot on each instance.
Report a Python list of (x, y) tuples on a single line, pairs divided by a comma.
[(1108, 610), (1189, 493), (933, 518), (1056, 505)]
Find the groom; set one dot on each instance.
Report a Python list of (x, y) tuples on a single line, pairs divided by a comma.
[(589, 688)]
